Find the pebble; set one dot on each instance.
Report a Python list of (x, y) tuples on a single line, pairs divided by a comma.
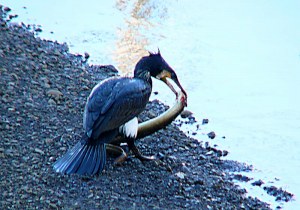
[(53, 205), (151, 114), (211, 135), (86, 56), (54, 93), (225, 153), (257, 183), (51, 102), (241, 178), (209, 153), (6, 9), (202, 157), (186, 114), (39, 151), (204, 121), (45, 82), (180, 175)]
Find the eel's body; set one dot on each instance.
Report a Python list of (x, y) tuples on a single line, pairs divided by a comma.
[(148, 127)]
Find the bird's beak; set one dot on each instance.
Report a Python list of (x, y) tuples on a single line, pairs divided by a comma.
[(166, 74), (175, 79)]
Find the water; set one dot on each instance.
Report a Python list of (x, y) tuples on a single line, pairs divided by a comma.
[(239, 61)]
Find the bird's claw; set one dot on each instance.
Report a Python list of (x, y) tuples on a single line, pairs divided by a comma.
[(137, 152)]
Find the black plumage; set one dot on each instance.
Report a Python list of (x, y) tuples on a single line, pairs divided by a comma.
[(111, 104)]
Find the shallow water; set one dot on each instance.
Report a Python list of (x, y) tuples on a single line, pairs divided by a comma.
[(239, 62)]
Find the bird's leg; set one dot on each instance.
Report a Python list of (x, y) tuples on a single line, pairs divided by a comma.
[(137, 152)]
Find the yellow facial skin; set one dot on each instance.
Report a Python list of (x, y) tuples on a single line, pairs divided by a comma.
[(164, 75)]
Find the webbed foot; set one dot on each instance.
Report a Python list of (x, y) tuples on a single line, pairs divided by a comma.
[(137, 152)]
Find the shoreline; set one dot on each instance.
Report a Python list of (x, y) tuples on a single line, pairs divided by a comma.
[(43, 90)]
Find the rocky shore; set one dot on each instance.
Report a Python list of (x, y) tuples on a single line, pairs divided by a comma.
[(43, 93)]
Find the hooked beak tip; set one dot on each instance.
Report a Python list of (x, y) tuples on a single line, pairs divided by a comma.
[(179, 85)]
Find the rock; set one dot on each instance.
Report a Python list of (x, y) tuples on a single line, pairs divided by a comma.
[(53, 205), (186, 114), (225, 153), (51, 102), (39, 151), (211, 135), (45, 82), (54, 93), (202, 157), (38, 30), (257, 183), (180, 175), (279, 193), (86, 56), (6, 9), (209, 153), (205, 121), (241, 178), (152, 114)]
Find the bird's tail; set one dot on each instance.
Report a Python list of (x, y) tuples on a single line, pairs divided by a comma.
[(84, 159)]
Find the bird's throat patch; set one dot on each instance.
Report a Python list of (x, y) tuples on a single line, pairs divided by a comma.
[(163, 75)]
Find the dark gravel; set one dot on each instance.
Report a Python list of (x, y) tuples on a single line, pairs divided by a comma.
[(43, 92)]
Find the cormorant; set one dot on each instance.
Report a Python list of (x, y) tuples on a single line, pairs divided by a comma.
[(113, 107)]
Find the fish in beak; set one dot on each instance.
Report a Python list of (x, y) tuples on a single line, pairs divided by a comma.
[(164, 75)]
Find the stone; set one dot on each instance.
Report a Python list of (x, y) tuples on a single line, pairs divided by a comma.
[(186, 114)]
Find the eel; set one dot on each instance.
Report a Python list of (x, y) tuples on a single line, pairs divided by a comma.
[(149, 127)]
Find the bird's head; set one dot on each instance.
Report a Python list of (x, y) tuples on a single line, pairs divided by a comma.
[(159, 69)]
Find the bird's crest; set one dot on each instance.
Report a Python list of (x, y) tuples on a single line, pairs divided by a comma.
[(153, 53)]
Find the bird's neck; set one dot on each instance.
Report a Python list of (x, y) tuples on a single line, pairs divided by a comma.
[(144, 75)]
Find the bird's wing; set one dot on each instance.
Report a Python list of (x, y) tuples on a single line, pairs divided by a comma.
[(114, 102)]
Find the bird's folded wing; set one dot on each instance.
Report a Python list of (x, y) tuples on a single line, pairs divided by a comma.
[(114, 103)]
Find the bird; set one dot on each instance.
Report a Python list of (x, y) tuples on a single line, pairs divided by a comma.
[(112, 108)]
